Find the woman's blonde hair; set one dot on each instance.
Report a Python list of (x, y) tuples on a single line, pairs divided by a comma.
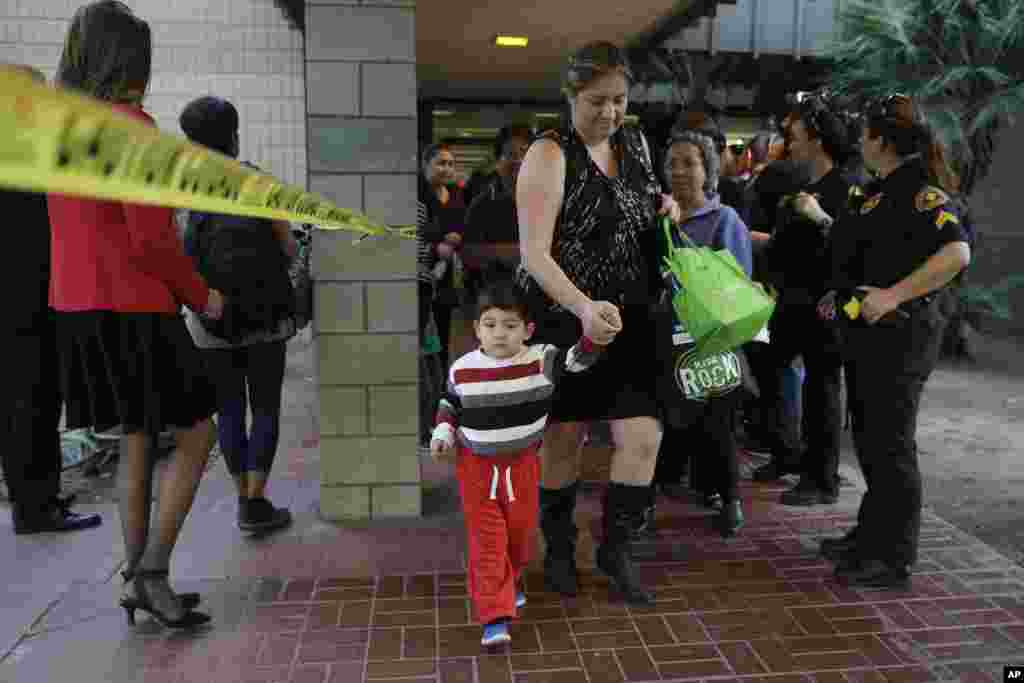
[(108, 53)]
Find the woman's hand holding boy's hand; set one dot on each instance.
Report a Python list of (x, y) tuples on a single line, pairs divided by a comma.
[(440, 451)]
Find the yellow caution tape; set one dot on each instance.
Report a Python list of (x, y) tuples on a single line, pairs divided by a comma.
[(52, 140), (852, 309)]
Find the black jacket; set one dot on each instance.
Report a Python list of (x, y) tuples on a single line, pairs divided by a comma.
[(26, 272)]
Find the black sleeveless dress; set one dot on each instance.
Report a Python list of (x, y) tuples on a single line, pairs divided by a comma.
[(606, 244)]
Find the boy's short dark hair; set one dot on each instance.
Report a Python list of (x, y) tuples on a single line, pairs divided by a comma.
[(503, 295)]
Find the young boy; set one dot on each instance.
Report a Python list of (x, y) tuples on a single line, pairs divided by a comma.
[(496, 407)]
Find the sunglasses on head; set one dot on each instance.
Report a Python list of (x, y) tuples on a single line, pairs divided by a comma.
[(813, 107), (887, 107)]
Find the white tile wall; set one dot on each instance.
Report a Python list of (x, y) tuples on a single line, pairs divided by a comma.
[(242, 50)]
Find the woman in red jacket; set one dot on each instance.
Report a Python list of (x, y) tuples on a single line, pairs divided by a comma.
[(119, 278)]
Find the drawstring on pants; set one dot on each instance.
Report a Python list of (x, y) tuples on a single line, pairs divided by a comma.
[(508, 483)]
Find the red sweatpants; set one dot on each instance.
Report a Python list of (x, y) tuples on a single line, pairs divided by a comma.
[(500, 500)]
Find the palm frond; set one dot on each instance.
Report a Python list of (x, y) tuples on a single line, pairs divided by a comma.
[(962, 60), (993, 300), (1000, 107)]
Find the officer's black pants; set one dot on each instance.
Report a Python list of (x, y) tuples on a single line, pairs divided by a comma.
[(887, 368), (796, 330), (31, 454)]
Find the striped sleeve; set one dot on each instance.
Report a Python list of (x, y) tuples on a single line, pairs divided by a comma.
[(449, 410), (582, 356)]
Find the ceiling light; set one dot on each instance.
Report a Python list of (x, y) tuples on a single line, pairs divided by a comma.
[(443, 112), (511, 41)]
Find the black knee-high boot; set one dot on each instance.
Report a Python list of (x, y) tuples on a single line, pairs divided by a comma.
[(557, 510), (623, 506)]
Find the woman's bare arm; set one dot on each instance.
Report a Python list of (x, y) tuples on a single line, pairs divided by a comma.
[(538, 201)]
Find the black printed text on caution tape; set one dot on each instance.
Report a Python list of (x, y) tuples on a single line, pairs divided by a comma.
[(52, 140)]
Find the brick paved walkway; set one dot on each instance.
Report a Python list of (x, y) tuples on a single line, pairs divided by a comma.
[(758, 607), (322, 603)]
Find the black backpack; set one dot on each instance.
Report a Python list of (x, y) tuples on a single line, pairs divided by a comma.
[(243, 259)]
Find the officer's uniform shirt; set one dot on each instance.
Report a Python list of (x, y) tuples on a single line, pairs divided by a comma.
[(901, 222)]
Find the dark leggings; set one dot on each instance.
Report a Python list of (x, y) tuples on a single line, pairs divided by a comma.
[(712, 441), (248, 375)]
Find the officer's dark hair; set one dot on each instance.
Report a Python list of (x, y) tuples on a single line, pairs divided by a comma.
[(502, 293), (901, 124), (430, 152), (823, 122), (211, 122), (108, 53), (511, 132)]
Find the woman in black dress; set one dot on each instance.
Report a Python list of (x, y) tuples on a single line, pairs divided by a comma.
[(587, 197)]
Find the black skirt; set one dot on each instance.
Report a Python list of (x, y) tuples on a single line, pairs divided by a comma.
[(623, 382), (139, 370)]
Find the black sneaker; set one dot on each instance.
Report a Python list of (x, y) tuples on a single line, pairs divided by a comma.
[(873, 574), (806, 493), (712, 501), (835, 549), (258, 514), (730, 520), (773, 470)]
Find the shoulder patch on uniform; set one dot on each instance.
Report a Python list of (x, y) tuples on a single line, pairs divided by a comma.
[(871, 203), (930, 198), (855, 191)]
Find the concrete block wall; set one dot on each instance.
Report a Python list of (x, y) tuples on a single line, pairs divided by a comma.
[(243, 50), (361, 99)]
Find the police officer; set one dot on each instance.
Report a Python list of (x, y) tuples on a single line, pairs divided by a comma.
[(796, 263), (891, 260)]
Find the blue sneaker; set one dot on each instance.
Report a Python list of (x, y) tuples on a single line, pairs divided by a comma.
[(495, 633), (520, 600)]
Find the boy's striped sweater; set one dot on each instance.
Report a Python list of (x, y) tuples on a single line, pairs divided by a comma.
[(500, 407)]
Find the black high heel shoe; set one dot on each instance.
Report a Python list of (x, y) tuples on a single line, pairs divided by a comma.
[(188, 600), (143, 602)]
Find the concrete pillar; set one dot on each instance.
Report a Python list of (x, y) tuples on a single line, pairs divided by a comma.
[(362, 148)]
